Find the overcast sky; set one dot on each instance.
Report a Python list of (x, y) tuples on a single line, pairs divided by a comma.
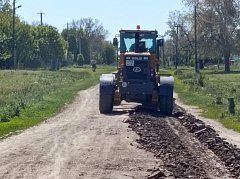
[(114, 14)]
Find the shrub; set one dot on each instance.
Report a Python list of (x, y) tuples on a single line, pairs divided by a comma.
[(178, 72), (80, 60), (219, 100), (201, 80)]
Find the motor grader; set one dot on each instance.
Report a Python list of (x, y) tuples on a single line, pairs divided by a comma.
[(137, 78)]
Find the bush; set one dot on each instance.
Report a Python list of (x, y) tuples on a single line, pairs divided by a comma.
[(80, 60), (178, 72), (219, 100), (201, 80)]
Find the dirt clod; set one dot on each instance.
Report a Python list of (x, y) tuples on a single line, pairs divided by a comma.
[(157, 174)]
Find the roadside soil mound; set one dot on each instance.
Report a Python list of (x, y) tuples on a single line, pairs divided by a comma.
[(186, 145)]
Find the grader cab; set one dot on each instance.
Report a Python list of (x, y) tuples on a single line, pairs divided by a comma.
[(137, 78)]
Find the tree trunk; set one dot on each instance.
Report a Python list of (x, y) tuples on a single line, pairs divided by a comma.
[(227, 61), (75, 58)]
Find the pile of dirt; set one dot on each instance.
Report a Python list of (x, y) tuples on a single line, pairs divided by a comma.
[(158, 137), (166, 140), (228, 153)]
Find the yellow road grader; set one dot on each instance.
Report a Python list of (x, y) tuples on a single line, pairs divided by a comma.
[(137, 78)]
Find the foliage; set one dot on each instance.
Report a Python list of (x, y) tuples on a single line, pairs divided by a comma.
[(29, 97), (217, 30), (44, 47), (50, 47), (36, 46), (5, 35), (23, 88), (108, 54), (87, 37), (211, 93)]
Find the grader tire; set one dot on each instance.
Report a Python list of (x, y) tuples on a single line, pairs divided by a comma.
[(166, 105), (106, 104)]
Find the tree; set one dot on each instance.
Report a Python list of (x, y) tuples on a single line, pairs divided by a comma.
[(36, 46), (86, 36), (218, 22), (185, 38), (25, 48), (50, 47), (109, 53), (5, 34), (5, 6), (169, 52)]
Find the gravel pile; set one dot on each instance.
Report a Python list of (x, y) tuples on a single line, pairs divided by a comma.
[(167, 142), (157, 136), (228, 153)]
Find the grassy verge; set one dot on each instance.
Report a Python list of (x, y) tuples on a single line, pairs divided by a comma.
[(210, 92), (28, 98)]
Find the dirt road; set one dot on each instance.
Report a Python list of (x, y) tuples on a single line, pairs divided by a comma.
[(77, 143), (81, 143)]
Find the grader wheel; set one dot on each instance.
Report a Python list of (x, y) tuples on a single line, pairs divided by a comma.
[(166, 105), (105, 104)]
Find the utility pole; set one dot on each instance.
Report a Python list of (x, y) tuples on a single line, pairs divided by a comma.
[(164, 59), (196, 45), (67, 41), (41, 17), (80, 43), (163, 52), (177, 50), (173, 56), (14, 53), (67, 32), (14, 36)]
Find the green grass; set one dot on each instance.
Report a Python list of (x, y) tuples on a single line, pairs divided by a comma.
[(210, 92), (30, 97)]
